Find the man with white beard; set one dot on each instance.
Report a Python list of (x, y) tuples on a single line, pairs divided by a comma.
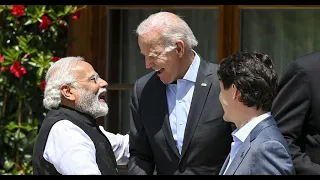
[(70, 142)]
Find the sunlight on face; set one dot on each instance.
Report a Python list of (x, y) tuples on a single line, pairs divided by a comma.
[(165, 63), (225, 98)]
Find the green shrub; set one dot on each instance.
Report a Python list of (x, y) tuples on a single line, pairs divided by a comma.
[(32, 37)]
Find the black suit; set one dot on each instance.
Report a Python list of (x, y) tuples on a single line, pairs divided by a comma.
[(207, 137), (297, 112)]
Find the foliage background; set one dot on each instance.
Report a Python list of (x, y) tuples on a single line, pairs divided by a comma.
[(32, 37)]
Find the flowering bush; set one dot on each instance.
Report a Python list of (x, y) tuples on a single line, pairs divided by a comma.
[(32, 37)]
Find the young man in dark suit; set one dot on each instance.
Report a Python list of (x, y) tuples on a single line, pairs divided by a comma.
[(177, 117), (297, 112)]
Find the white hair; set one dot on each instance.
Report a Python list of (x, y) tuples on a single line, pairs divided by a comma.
[(172, 28), (59, 74)]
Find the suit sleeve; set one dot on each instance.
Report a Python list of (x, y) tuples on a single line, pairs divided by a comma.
[(271, 158), (290, 110), (141, 157)]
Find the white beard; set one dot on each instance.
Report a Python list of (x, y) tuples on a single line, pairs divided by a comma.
[(89, 103)]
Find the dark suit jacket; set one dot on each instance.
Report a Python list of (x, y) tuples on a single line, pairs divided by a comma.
[(297, 112), (207, 136), (264, 152)]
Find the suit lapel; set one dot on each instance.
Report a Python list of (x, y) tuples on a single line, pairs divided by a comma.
[(224, 166), (239, 157), (247, 144), (202, 87), (168, 133), (161, 99)]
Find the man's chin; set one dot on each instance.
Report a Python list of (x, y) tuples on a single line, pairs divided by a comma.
[(103, 112)]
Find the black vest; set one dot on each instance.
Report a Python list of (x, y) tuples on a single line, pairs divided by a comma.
[(104, 154)]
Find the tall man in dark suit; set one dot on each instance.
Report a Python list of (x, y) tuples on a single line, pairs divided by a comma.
[(248, 84), (297, 112), (177, 117)]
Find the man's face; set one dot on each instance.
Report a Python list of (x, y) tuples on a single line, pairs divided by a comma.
[(227, 102), (166, 63), (90, 91)]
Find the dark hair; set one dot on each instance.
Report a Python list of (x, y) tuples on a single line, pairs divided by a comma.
[(254, 76)]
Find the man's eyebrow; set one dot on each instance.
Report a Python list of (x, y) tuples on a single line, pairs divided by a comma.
[(151, 54), (93, 75)]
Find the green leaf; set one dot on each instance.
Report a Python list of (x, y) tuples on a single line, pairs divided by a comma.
[(61, 13), (67, 9), (11, 125), (39, 72), (33, 50), (8, 164), (27, 157), (9, 18), (19, 135), (53, 16), (53, 28), (16, 48), (8, 54), (17, 53), (32, 63), (28, 22), (40, 10), (27, 127)]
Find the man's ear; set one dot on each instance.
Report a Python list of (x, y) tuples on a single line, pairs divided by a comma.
[(236, 92), (180, 48), (67, 92)]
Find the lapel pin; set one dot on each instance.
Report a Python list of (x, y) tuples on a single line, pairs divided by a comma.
[(203, 84)]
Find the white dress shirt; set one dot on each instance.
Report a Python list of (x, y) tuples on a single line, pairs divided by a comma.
[(240, 135), (72, 152), (179, 97)]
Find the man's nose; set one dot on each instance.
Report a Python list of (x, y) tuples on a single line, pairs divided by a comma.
[(103, 83), (149, 63)]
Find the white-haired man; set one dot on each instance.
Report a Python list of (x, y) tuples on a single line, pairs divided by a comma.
[(70, 142), (178, 126)]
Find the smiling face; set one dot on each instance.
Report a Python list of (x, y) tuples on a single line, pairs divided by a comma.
[(89, 95), (165, 61)]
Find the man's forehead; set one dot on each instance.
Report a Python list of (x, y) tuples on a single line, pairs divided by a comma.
[(149, 48), (82, 69)]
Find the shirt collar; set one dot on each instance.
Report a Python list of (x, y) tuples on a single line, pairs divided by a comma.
[(192, 72), (242, 133)]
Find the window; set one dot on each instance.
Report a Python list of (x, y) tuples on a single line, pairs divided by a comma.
[(282, 33)]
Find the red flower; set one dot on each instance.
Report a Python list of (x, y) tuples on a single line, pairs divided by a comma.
[(76, 15), (45, 21), (54, 58), (3, 69), (42, 85), (17, 10), (17, 69), (18, 22), (62, 23), (1, 58)]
